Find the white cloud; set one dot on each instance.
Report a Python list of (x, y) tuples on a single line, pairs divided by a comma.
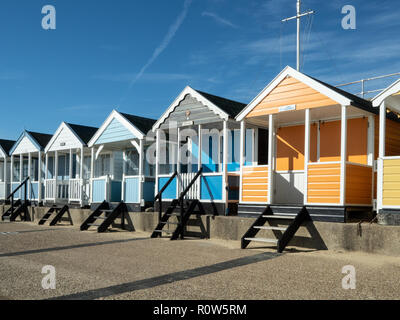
[(219, 19), (153, 77), (165, 42)]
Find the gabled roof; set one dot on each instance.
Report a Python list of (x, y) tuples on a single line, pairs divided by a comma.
[(392, 89), (340, 96), (5, 146), (138, 126), (82, 134), (143, 124), (231, 107), (85, 133), (39, 140), (223, 107)]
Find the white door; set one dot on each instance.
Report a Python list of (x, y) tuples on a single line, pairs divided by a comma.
[(289, 187)]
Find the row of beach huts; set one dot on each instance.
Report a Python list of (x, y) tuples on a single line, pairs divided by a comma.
[(300, 143)]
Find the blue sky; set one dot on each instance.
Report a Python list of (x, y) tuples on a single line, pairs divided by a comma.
[(137, 56)]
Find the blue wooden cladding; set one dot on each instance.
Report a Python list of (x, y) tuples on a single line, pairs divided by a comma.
[(116, 191), (211, 187), (170, 192), (14, 186), (148, 190), (131, 190), (99, 190), (34, 194), (115, 132)]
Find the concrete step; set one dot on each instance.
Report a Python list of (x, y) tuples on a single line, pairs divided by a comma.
[(270, 228), (274, 241), (274, 216)]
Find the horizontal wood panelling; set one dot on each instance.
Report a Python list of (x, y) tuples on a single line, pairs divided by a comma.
[(255, 180), (199, 113), (358, 184), (291, 91), (391, 182), (323, 183), (255, 199), (255, 184)]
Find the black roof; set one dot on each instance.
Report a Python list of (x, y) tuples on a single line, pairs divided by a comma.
[(7, 145), (357, 101), (42, 138), (232, 108), (143, 124), (85, 133)]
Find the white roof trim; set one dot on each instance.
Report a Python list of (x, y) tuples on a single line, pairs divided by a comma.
[(199, 97), (116, 115), (288, 71), (392, 89), (62, 126), (3, 154)]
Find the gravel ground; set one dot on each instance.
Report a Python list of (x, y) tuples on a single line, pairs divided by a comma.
[(130, 265)]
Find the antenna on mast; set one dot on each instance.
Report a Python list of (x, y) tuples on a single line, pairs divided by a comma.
[(298, 16)]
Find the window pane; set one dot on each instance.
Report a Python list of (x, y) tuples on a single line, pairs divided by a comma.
[(132, 163)]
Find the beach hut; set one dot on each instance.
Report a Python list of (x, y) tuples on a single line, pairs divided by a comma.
[(119, 169), (5, 147), (67, 165), (198, 132), (27, 156), (388, 182), (319, 153)]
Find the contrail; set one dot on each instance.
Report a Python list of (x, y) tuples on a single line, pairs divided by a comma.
[(165, 42)]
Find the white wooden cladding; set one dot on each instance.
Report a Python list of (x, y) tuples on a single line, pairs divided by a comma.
[(75, 189), (72, 190), (64, 140), (50, 189), (25, 146), (185, 179)]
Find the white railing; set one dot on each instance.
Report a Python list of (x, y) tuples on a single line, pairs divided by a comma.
[(49, 189), (184, 181), (62, 189), (75, 189), (363, 83)]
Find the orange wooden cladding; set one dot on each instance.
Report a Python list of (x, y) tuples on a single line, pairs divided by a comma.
[(324, 183), (290, 147), (392, 141), (357, 141), (358, 184), (291, 91), (255, 184)]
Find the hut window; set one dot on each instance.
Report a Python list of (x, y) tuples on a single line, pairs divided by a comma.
[(132, 163), (210, 152), (2, 171), (16, 171), (233, 150), (34, 169), (249, 146), (103, 165)]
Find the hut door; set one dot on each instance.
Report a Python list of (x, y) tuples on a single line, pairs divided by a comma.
[(289, 175)]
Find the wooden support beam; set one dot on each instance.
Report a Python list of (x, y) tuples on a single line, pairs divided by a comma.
[(271, 150), (141, 171), (343, 154), (306, 154)]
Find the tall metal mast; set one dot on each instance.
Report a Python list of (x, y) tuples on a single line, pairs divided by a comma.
[(298, 16)]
